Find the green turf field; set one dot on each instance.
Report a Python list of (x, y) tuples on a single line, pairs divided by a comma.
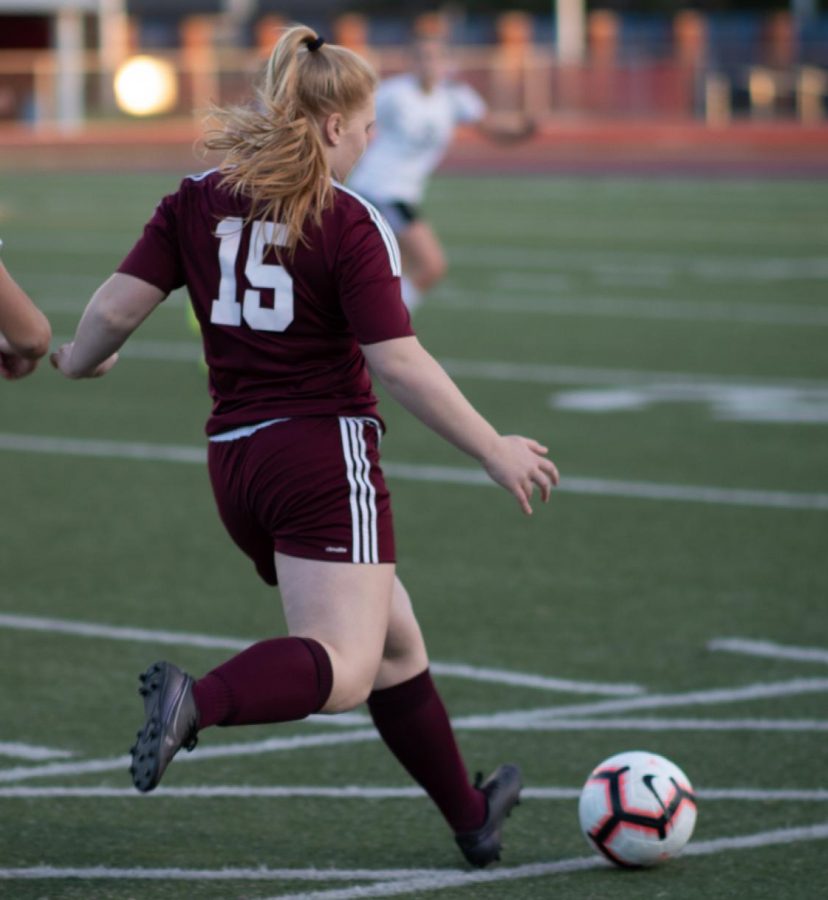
[(667, 339)]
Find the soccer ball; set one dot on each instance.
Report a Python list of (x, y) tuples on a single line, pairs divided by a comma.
[(638, 809)]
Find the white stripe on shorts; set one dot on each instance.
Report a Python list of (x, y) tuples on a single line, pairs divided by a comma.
[(363, 494)]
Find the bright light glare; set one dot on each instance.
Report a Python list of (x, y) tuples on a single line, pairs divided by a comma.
[(145, 86)]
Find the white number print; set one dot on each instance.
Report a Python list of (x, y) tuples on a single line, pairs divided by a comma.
[(226, 310)]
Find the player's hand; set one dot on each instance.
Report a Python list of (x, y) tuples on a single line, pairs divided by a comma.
[(520, 464), (12, 365), (62, 357)]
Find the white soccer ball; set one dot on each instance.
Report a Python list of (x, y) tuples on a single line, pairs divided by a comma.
[(638, 809)]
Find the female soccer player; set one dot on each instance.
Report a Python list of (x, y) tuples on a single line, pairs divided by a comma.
[(417, 114), (24, 330), (295, 282)]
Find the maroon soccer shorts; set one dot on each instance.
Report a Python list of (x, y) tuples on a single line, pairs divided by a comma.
[(308, 487)]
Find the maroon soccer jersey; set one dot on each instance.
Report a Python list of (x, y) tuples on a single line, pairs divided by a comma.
[(281, 336)]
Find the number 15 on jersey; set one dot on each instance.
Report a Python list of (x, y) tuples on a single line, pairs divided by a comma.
[(229, 309)]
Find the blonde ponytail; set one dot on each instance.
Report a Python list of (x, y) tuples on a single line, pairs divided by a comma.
[(274, 152)]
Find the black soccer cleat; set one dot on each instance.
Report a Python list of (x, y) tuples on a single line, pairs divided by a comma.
[(170, 723), (502, 790)]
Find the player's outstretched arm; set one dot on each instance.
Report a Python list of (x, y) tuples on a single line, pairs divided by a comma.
[(417, 381), (116, 309), (507, 127), (24, 330)]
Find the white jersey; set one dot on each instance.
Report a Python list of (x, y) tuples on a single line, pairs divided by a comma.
[(414, 129)]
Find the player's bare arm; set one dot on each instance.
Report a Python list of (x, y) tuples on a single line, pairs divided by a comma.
[(507, 128), (116, 309), (24, 330), (420, 384)]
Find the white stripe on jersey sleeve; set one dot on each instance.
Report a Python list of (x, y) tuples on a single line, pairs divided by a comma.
[(382, 226), (200, 176)]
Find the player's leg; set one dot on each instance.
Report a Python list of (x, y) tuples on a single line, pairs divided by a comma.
[(404, 652), (337, 617), (412, 720), (293, 473), (424, 262), (345, 608), (422, 254)]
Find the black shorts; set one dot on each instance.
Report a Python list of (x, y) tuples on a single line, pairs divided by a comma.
[(398, 214)]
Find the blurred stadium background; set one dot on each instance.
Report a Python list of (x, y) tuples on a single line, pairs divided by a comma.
[(728, 84)]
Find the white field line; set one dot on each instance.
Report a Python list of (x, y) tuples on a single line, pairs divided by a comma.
[(541, 373), (495, 722), (99, 873), (631, 490), (515, 301), (178, 638), (103, 449), (397, 882), (522, 373), (600, 487), (396, 888), (29, 751), (521, 679), (712, 268), (354, 792), (651, 724), (769, 649), (252, 748), (763, 691)]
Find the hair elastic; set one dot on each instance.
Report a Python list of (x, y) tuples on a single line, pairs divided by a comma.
[(313, 44)]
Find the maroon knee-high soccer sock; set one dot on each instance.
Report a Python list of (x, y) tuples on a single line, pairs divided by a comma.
[(277, 680), (414, 724)]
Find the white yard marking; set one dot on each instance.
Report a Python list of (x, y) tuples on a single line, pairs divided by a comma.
[(541, 373), (547, 719), (634, 490), (104, 449), (602, 487), (119, 633), (521, 373), (734, 403), (251, 748), (354, 792), (520, 720), (769, 649), (263, 873), (178, 638), (628, 308), (29, 751), (398, 882), (729, 268), (652, 724), (396, 888), (521, 679)]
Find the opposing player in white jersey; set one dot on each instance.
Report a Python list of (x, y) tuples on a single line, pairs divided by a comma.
[(417, 114)]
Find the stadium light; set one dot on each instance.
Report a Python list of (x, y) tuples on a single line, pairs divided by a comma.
[(146, 86)]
